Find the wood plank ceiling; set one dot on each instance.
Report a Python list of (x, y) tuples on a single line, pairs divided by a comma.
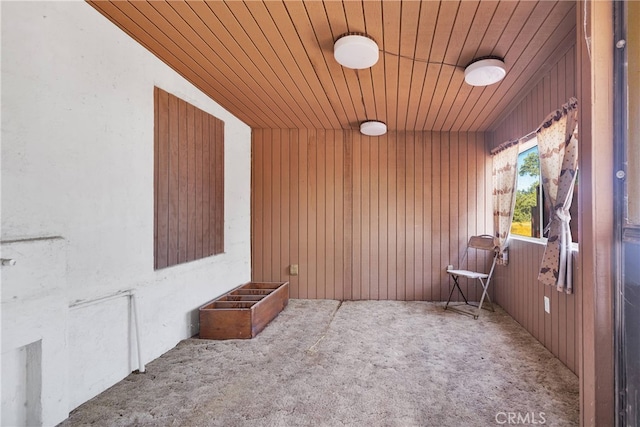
[(271, 63)]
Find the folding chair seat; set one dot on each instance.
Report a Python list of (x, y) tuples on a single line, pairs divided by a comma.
[(480, 243)]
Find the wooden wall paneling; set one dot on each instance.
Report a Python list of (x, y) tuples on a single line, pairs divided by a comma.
[(182, 176), (358, 215), (477, 260), (378, 214), (571, 337), (294, 203), (208, 187), (528, 299), (155, 175), (173, 181), (272, 208), (257, 238), (194, 130), (304, 197), (419, 208), (286, 257), (324, 260), (570, 73), (454, 201), (533, 303), (445, 215), (464, 213), (380, 176), (548, 320), (410, 228), (219, 225), (435, 232), (402, 195), (276, 202), (183, 184), (162, 178), (313, 206), (472, 209), (212, 179), (542, 317), (199, 188), (519, 292), (337, 215), (369, 210), (403, 233), (388, 217), (561, 325), (263, 250)]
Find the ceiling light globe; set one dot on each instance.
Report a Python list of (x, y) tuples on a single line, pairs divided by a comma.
[(485, 72), (373, 128), (356, 51)]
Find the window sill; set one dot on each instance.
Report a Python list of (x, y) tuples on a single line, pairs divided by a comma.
[(542, 241)]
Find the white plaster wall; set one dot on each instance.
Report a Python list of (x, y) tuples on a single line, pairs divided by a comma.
[(77, 162)]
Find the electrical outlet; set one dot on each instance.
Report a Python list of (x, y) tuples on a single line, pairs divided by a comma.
[(449, 267), (547, 305), (293, 270)]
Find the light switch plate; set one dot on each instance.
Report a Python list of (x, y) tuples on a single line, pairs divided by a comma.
[(547, 305)]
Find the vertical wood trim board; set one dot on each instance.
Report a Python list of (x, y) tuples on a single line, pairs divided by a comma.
[(366, 217), (188, 182)]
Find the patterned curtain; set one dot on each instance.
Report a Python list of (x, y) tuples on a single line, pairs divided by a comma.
[(558, 150), (504, 173)]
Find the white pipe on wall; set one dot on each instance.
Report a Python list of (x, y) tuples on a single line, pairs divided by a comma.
[(132, 306)]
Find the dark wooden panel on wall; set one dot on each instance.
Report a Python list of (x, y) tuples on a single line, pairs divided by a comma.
[(366, 217), (188, 182)]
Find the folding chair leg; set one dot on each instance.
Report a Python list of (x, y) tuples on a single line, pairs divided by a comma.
[(455, 285), (485, 288)]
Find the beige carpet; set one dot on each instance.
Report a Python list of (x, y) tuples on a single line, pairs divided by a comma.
[(364, 363)]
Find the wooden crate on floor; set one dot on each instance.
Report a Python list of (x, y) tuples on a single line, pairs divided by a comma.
[(244, 311)]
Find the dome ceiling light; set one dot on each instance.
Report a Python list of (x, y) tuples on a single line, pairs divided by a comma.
[(485, 71), (356, 51), (373, 128)]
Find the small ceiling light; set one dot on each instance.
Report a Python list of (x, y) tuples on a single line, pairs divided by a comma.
[(485, 71), (356, 51), (373, 128)]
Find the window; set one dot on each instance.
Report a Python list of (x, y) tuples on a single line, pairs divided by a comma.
[(531, 212), (188, 182), (528, 209)]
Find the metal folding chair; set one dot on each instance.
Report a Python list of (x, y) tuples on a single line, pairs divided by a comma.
[(484, 242)]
